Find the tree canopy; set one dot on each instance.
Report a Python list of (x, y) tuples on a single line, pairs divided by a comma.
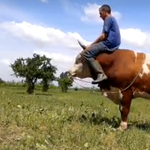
[(64, 82), (37, 67)]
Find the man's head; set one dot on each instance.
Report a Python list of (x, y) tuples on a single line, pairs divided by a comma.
[(104, 11)]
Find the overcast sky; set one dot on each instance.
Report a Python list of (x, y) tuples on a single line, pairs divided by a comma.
[(52, 27)]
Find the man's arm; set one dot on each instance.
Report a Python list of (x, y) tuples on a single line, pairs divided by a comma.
[(102, 37), (106, 28)]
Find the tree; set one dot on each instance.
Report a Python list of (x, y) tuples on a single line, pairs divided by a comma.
[(32, 69), (1, 81), (47, 74), (64, 82)]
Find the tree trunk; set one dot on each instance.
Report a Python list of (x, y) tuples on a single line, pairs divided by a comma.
[(45, 85), (31, 84), (64, 88)]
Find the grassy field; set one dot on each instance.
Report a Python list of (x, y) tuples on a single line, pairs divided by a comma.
[(77, 120)]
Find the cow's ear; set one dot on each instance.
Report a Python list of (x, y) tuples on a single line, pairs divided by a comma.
[(83, 46)]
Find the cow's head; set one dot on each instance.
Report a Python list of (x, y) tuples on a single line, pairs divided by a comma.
[(80, 68)]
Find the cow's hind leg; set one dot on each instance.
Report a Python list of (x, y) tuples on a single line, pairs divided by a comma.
[(125, 108)]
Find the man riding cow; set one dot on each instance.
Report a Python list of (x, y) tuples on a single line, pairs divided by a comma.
[(126, 72), (108, 42)]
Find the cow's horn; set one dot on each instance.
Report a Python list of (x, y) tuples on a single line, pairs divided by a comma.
[(83, 46)]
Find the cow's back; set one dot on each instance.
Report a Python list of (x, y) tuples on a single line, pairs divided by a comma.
[(122, 67)]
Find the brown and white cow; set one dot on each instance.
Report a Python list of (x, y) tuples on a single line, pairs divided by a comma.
[(128, 77)]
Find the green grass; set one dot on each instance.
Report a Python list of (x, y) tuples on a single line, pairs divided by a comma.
[(77, 120)]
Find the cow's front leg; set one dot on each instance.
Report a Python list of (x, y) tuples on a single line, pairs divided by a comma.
[(125, 108)]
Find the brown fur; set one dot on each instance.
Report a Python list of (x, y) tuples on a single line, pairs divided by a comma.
[(121, 69)]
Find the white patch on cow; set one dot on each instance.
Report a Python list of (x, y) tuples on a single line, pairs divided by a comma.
[(123, 125), (140, 75), (135, 53), (147, 59), (80, 68), (145, 69), (120, 95), (105, 94), (76, 69)]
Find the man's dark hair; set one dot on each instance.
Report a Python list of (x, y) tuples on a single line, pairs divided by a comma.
[(106, 8)]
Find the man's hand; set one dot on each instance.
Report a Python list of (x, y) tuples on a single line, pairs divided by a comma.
[(102, 37)]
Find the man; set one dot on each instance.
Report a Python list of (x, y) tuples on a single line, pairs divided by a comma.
[(108, 41)]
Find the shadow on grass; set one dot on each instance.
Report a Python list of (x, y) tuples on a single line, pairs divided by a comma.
[(98, 119), (114, 122), (43, 94), (145, 126)]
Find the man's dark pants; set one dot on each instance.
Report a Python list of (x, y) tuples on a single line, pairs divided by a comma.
[(90, 56), (97, 49)]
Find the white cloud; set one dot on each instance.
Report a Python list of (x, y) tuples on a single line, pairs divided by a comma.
[(91, 13), (44, 1), (135, 37), (5, 61), (57, 57), (42, 36)]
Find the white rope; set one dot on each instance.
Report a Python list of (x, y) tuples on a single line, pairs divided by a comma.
[(82, 80), (134, 78)]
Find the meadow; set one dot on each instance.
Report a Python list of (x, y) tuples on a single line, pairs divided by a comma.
[(76, 120)]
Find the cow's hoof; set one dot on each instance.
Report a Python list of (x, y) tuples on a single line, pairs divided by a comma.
[(123, 126), (121, 129)]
